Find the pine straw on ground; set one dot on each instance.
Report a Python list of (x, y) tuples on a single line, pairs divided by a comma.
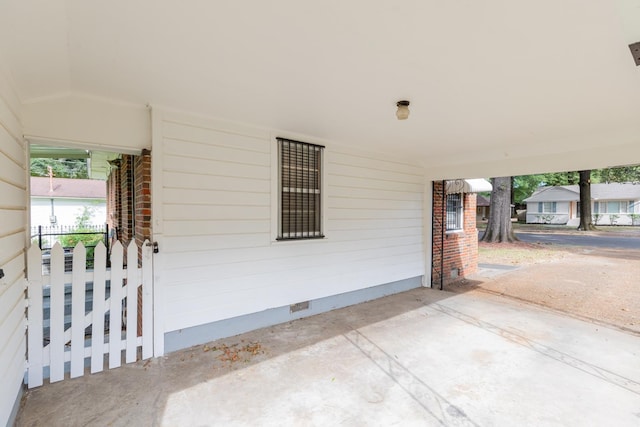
[(594, 284)]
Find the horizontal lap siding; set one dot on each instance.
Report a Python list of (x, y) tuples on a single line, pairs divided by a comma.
[(13, 221), (373, 201), (219, 260)]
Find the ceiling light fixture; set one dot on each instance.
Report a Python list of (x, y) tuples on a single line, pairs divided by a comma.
[(403, 110)]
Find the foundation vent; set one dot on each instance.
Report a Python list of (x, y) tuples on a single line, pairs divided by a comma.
[(299, 306)]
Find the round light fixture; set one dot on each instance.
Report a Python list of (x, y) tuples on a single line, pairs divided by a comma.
[(403, 110)]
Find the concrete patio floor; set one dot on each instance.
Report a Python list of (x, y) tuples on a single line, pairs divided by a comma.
[(423, 357)]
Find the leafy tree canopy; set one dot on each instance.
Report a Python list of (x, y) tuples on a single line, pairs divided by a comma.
[(62, 168), (620, 174)]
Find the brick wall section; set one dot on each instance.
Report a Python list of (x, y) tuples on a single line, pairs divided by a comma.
[(129, 205), (460, 247), (142, 186), (126, 199), (437, 228)]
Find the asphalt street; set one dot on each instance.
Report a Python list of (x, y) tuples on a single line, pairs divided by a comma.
[(591, 240)]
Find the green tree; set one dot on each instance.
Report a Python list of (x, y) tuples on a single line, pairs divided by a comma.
[(524, 186), (62, 168), (619, 174), (499, 229), (585, 202), (83, 225), (560, 178)]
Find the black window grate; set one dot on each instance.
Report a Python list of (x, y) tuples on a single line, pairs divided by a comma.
[(454, 211), (300, 180)]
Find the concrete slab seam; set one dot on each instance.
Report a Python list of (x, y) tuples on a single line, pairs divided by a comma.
[(433, 403), (552, 353)]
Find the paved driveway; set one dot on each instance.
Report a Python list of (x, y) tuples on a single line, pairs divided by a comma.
[(423, 357), (611, 241)]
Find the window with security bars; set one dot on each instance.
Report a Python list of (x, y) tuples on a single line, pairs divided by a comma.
[(300, 183), (454, 211)]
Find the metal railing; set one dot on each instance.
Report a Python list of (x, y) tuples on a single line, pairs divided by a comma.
[(47, 236)]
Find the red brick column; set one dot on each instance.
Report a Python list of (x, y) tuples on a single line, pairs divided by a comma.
[(126, 199), (461, 247), (142, 198), (142, 201), (129, 205), (438, 227)]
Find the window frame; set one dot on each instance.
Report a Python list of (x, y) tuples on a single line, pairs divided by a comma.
[(599, 205), (543, 205), (459, 214), (278, 221)]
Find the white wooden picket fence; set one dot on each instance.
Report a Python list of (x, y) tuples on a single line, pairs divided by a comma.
[(68, 338)]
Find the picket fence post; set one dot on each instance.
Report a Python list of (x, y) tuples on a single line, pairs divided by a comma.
[(56, 317), (115, 308), (35, 318), (99, 308)]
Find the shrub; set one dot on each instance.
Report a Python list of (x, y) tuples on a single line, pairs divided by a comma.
[(82, 225)]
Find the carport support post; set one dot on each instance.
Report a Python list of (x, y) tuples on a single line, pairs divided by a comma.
[(442, 214), (437, 226)]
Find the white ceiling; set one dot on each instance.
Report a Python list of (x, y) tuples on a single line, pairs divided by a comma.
[(485, 78)]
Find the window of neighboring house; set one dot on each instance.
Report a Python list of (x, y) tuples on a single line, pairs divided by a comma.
[(547, 207), (454, 212), (617, 207), (300, 187)]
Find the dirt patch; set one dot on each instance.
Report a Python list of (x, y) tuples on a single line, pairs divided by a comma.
[(602, 285), (517, 253)]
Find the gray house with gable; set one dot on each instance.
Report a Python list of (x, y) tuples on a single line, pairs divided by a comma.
[(611, 204)]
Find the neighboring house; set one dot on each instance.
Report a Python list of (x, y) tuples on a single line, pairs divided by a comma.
[(483, 205), (59, 201), (611, 204)]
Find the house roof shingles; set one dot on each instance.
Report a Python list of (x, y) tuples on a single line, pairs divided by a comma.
[(611, 191), (68, 188), (482, 201)]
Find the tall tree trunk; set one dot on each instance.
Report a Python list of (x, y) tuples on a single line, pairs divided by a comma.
[(585, 201), (499, 225)]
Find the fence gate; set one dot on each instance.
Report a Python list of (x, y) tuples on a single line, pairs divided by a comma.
[(77, 318)]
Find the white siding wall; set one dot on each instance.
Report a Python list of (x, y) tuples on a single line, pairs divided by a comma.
[(560, 216), (13, 221), (218, 258)]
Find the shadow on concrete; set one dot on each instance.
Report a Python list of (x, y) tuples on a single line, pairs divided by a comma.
[(137, 394)]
